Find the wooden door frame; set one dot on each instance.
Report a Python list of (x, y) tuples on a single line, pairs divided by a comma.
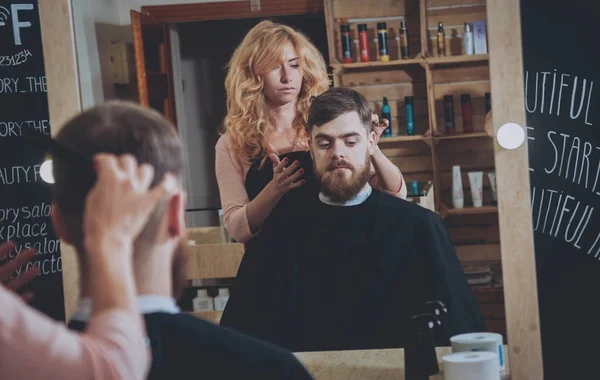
[(514, 204), (64, 102)]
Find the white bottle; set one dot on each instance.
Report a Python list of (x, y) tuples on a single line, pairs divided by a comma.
[(203, 302), (458, 200), (468, 40), (221, 299)]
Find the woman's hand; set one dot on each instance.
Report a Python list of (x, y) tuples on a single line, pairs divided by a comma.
[(379, 128), (10, 267), (119, 204), (284, 178)]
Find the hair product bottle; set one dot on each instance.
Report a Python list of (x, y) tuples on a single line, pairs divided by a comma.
[(468, 40), (363, 38), (458, 200), (386, 113), (441, 40), (203, 302), (221, 299), (467, 113), (488, 102), (382, 34), (409, 115), (404, 49), (449, 114), (346, 43)]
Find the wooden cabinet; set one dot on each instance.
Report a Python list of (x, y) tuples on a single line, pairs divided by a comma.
[(428, 77)]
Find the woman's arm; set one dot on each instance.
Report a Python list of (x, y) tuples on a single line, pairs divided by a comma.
[(113, 345), (388, 176), (244, 218), (32, 346)]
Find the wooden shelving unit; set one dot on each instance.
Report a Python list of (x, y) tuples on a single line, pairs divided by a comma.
[(431, 152), (449, 211)]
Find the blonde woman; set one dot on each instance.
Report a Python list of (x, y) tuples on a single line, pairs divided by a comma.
[(262, 159)]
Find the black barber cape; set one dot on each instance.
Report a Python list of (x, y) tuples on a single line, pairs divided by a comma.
[(186, 347), (350, 277)]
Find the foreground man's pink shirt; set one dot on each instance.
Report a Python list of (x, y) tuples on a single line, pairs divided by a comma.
[(32, 346)]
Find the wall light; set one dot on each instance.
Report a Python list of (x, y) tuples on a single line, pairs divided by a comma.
[(46, 171), (510, 136)]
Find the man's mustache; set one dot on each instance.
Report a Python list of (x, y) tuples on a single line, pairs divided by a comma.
[(340, 164)]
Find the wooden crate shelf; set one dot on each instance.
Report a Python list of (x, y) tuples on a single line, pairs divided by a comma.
[(379, 64), (393, 139), (473, 135), (430, 154), (457, 59), (449, 211)]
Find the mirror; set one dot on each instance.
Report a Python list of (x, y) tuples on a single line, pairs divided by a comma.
[(447, 154)]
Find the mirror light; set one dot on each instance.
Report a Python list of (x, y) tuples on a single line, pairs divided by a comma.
[(510, 136), (46, 172)]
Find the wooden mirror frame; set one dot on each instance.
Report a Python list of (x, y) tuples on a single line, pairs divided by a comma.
[(516, 229)]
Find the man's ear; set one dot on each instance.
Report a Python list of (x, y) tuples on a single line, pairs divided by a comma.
[(59, 225), (371, 142), (310, 148), (176, 215)]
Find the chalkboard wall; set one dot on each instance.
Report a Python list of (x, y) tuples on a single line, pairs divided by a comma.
[(24, 197), (561, 62)]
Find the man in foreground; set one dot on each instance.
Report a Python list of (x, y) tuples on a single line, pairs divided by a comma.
[(358, 263), (182, 346)]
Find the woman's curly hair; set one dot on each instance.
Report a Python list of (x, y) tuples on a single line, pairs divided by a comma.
[(248, 116)]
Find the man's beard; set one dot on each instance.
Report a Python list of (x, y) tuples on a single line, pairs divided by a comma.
[(337, 186)]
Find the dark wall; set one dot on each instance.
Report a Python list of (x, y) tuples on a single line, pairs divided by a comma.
[(561, 61), (24, 197)]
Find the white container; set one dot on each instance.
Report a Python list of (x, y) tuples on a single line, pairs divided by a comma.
[(483, 341), (191, 242), (458, 200), (221, 299), (203, 302), (476, 182), (480, 37), (471, 366), (468, 40)]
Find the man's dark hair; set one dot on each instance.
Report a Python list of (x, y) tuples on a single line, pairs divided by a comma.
[(335, 102), (115, 127)]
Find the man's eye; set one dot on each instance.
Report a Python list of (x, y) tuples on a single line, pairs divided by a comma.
[(323, 145), (350, 142)]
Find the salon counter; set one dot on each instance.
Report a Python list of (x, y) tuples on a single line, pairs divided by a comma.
[(366, 364)]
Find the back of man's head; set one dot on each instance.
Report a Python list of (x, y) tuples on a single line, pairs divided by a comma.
[(115, 127)]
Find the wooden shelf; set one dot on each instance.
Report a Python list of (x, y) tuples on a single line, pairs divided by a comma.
[(376, 64), (403, 138), (211, 316), (457, 59), (462, 136), (448, 211)]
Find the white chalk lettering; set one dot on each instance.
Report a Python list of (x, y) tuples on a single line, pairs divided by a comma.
[(9, 85), (37, 84), (540, 93), (13, 175), (545, 200)]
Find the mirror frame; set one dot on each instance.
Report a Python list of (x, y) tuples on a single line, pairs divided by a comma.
[(512, 166)]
